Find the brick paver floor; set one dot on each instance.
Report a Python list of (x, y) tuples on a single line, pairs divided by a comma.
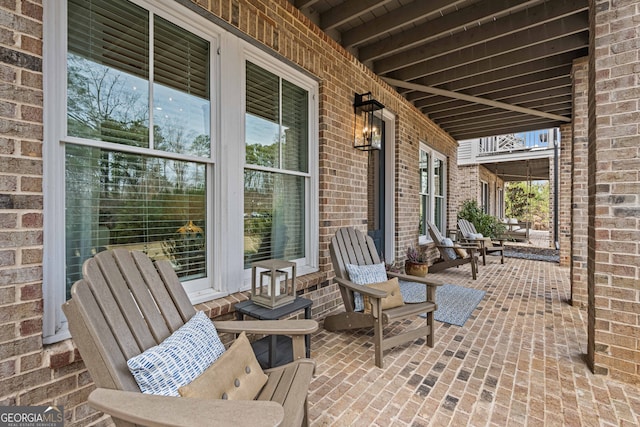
[(517, 361)]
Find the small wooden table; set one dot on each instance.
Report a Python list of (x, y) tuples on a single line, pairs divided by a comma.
[(275, 350)]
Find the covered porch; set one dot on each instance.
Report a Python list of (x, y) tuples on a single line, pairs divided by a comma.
[(518, 360)]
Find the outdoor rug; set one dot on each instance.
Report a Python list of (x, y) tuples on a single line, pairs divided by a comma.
[(455, 303)]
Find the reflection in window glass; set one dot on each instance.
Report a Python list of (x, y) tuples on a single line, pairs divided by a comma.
[(181, 112), (181, 122), (295, 125), (274, 216), (277, 137), (136, 202), (108, 71), (108, 79), (262, 119), (276, 122), (106, 104)]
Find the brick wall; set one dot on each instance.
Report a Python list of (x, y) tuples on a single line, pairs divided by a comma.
[(468, 184), (613, 267), (565, 190), (578, 196), (32, 373)]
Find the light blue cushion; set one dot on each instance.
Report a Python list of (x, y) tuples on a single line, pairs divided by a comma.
[(476, 236), (179, 359), (365, 275), (451, 253)]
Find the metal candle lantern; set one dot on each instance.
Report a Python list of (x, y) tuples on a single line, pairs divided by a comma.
[(273, 283), (366, 135)]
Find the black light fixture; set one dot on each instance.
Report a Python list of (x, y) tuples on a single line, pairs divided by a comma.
[(366, 135)]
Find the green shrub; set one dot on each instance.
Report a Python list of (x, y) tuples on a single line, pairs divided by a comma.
[(484, 223)]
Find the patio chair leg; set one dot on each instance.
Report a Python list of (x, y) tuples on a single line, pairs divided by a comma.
[(430, 325), (377, 332)]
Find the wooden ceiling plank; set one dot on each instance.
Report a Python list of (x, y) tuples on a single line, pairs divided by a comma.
[(507, 92), (490, 113), (531, 26), (347, 11), (509, 128), (514, 42), (475, 99), (484, 71), (459, 107), (536, 76), (437, 28), (493, 114), (301, 4), (489, 120), (397, 18), (475, 63), (502, 74)]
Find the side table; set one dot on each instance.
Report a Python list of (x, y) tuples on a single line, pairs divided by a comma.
[(268, 348)]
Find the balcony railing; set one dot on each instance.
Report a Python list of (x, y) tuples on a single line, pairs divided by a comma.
[(514, 142)]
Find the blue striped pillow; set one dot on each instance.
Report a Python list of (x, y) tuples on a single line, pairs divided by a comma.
[(179, 359), (365, 275)]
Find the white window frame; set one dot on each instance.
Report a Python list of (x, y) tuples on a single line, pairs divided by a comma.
[(225, 192), (500, 202), (309, 263), (433, 155)]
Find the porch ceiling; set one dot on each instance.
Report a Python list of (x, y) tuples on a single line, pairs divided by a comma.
[(521, 170), (475, 67)]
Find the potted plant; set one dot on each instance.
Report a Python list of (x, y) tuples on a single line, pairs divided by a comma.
[(416, 263)]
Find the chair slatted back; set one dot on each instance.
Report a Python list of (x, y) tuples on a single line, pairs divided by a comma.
[(466, 228), (351, 246), (124, 305), (437, 238)]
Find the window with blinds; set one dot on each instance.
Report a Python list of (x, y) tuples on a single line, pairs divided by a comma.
[(432, 190), (139, 81), (277, 165)]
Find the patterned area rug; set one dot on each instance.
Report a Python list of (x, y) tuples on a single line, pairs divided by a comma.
[(455, 303)]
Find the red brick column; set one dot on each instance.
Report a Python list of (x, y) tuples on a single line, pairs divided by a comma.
[(579, 196), (614, 186)]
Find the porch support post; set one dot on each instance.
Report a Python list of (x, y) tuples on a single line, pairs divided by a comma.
[(614, 190)]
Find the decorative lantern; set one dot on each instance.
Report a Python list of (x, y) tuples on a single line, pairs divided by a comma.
[(366, 135), (273, 283)]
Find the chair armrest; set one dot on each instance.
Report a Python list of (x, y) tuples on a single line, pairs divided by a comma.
[(268, 327), (364, 290), (471, 247), (150, 410), (416, 279), (475, 242)]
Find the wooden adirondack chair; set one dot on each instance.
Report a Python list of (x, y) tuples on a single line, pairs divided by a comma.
[(350, 246), (485, 245), (126, 304), (450, 258)]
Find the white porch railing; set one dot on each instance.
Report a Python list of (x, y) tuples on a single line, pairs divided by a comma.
[(516, 142)]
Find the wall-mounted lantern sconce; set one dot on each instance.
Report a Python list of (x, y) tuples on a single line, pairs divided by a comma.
[(366, 135)]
